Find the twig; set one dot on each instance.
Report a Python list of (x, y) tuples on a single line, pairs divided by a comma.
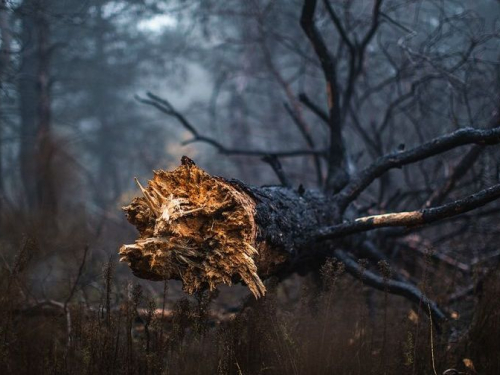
[(298, 120), (164, 106), (78, 276), (70, 295), (304, 99), (412, 243), (275, 164), (295, 111)]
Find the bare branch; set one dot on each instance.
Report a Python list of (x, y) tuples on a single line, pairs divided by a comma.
[(411, 218), (295, 111), (403, 98), (337, 176), (400, 288), (398, 159), (314, 107), (275, 164), (326, 59), (356, 50), (338, 24), (374, 147), (375, 24), (259, 153), (302, 126), (421, 246), (164, 106), (459, 171), (78, 276)]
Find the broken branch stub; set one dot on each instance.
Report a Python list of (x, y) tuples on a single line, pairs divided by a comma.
[(194, 227)]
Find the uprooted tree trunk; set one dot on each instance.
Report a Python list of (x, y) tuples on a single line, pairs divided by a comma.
[(207, 230)]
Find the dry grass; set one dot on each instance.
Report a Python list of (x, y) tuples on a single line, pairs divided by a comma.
[(298, 328)]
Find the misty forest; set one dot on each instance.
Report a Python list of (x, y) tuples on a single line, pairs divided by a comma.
[(250, 187)]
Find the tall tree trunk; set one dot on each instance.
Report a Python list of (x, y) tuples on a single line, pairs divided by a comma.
[(4, 66), (36, 154), (28, 98), (102, 97), (46, 192)]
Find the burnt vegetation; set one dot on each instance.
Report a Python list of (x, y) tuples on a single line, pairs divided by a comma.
[(339, 215)]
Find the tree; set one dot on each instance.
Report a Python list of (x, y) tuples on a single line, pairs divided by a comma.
[(104, 71), (28, 100), (90, 50), (37, 149), (208, 230), (5, 58)]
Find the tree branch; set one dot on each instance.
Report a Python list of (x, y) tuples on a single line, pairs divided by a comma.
[(396, 160), (78, 276), (275, 164), (411, 218), (304, 99), (375, 24), (356, 50), (337, 176), (400, 288), (164, 106), (338, 24), (459, 170), (302, 126), (295, 111)]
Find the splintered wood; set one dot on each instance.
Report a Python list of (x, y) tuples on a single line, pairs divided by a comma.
[(193, 227)]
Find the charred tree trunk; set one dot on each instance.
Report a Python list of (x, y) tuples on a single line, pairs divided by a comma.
[(206, 230)]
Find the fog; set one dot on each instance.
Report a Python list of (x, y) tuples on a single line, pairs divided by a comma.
[(81, 113)]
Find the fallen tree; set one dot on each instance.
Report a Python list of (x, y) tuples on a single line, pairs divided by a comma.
[(207, 230)]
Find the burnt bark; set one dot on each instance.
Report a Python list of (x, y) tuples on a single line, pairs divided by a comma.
[(207, 230), (282, 230), (287, 220)]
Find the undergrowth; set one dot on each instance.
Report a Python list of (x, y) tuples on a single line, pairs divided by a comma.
[(340, 327)]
